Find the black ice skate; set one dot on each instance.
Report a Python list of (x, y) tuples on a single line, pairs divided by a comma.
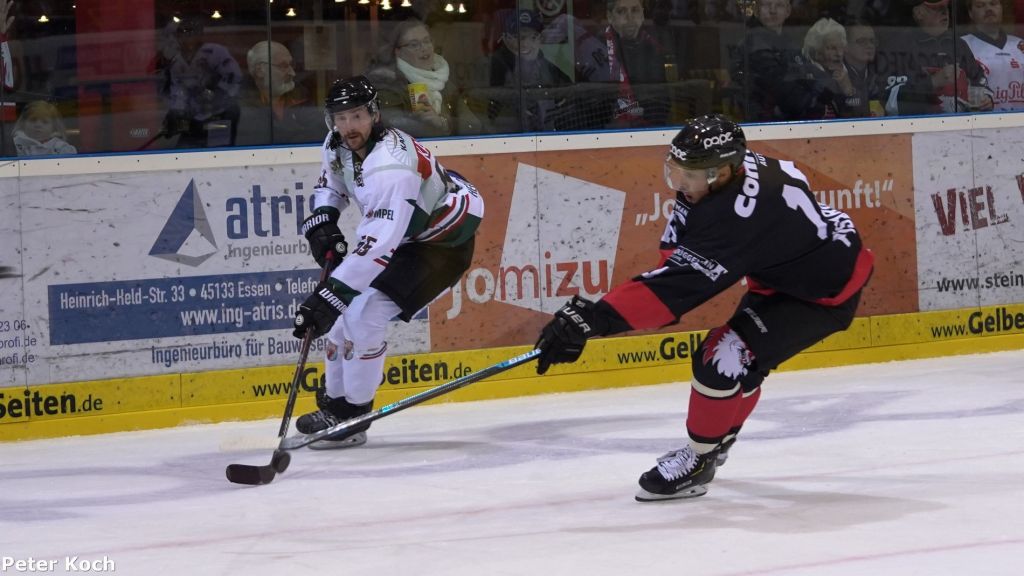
[(333, 411), (679, 474)]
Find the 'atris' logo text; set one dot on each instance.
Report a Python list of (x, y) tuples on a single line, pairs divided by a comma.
[(264, 216)]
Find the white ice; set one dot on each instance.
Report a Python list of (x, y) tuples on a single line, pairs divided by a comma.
[(886, 469)]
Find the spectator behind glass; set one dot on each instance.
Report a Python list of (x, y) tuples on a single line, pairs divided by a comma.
[(519, 65), (40, 131), (627, 58), (1001, 55), (412, 83), (861, 46), (201, 86), (931, 71), (769, 72), (274, 110), (824, 47)]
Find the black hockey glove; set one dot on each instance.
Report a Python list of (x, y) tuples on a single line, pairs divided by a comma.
[(563, 339), (321, 309), (321, 230)]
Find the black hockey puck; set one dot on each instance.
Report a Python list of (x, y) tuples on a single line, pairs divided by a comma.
[(280, 461)]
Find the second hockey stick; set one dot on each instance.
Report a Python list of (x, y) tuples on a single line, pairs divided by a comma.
[(300, 440), (279, 461)]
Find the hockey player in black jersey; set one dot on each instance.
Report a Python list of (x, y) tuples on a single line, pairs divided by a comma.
[(737, 215)]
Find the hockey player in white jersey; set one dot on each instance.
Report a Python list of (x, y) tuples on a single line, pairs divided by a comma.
[(414, 241), (1000, 55)]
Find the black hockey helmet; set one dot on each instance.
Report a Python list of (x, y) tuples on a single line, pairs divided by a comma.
[(709, 141), (349, 93)]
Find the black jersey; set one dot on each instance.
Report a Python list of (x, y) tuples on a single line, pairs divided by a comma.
[(765, 225)]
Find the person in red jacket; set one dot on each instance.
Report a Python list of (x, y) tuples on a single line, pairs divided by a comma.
[(738, 214)]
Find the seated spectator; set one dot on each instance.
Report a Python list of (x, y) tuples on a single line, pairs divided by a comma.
[(40, 131), (769, 73), (201, 86), (861, 46), (274, 110), (626, 57), (1001, 55), (412, 83), (824, 47), (519, 66), (930, 70)]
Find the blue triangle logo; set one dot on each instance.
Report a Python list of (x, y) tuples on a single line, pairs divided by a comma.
[(188, 217)]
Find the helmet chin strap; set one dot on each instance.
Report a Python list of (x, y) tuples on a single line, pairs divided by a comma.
[(711, 175)]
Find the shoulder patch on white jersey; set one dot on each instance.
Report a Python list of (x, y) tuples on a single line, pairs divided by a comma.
[(399, 147)]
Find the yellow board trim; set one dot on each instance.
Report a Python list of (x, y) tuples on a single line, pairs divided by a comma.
[(163, 401)]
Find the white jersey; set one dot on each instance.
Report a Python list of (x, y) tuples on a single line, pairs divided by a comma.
[(1004, 66), (404, 195)]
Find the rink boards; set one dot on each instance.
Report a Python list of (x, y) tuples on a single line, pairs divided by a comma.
[(150, 290), (91, 407)]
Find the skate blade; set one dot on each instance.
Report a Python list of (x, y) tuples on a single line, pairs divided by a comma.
[(357, 439), (645, 496)]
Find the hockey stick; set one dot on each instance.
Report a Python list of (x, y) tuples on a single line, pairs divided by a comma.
[(255, 475), (162, 133), (300, 440)]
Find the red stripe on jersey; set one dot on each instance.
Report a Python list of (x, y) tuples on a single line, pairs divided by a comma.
[(448, 210), (453, 226), (712, 418), (861, 272), (758, 288), (422, 162), (639, 306)]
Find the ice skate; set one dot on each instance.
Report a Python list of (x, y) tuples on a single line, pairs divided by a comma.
[(350, 440), (679, 474), (331, 412)]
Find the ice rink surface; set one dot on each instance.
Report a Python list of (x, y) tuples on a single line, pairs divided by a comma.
[(885, 469)]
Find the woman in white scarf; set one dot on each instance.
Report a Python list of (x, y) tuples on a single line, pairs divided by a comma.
[(409, 60)]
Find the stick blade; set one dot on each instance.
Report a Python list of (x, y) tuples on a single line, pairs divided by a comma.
[(250, 475)]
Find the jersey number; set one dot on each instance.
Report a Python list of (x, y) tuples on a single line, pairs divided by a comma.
[(797, 199), (365, 243)]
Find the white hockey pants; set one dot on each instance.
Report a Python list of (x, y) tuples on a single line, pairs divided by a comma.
[(356, 348)]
